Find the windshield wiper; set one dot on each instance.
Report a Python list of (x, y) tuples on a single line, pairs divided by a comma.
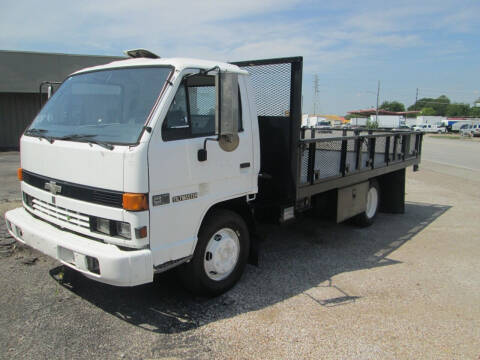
[(105, 145), (39, 133), (88, 138), (75, 136)]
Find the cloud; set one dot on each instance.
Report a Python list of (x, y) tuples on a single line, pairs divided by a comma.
[(334, 37)]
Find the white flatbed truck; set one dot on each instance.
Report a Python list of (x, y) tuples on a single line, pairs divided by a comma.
[(145, 164)]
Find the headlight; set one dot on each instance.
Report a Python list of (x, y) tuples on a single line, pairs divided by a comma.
[(123, 229), (103, 226), (110, 227), (28, 200)]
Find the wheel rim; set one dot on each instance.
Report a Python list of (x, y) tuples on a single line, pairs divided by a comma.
[(372, 202), (221, 254)]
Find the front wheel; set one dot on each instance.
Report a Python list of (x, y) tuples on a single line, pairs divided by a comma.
[(371, 207), (220, 255)]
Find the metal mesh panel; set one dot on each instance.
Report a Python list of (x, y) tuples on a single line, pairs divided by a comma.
[(411, 152), (365, 155), (327, 159), (380, 144), (390, 150), (271, 84), (307, 134), (202, 100), (304, 167), (351, 159), (399, 149)]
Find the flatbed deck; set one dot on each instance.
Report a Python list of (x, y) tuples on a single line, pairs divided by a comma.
[(298, 164)]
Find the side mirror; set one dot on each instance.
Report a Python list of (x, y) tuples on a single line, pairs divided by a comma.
[(202, 155), (226, 116), (49, 91)]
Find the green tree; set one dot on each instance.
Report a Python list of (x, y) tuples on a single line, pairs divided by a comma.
[(474, 111), (458, 109), (392, 106), (372, 124), (439, 104), (428, 111)]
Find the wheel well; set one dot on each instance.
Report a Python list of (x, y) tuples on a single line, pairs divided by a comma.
[(241, 207)]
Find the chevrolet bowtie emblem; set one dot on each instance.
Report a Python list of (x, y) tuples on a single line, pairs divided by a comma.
[(53, 187)]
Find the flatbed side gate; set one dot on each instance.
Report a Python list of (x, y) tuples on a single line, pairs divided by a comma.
[(335, 158)]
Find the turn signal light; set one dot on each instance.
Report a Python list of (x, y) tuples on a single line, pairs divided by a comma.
[(135, 202), (141, 233), (20, 174)]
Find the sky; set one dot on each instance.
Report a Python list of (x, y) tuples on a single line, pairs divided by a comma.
[(350, 45)]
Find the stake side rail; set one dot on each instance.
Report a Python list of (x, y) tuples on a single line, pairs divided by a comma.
[(330, 162)]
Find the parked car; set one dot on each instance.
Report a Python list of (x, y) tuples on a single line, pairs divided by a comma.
[(470, 130), (324, 124), (428, 128)]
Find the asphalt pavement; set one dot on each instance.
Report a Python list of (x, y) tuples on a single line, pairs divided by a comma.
[(452, 152)]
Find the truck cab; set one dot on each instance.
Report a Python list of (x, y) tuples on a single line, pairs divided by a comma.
[(111, 181)]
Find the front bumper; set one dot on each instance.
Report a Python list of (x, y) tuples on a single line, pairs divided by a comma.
[(117, 267)]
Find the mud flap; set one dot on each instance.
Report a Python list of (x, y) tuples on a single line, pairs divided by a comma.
[(392, 187)]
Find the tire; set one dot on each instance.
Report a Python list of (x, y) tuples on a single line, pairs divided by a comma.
[(367, 218), (224, 237)]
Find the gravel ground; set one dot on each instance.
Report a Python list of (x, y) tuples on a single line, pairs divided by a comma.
[(9, 186), (407, 287)]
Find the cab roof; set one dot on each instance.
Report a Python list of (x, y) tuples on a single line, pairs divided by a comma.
[(177, 63)]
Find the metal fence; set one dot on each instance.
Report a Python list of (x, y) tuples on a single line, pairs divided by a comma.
[(328, 155)]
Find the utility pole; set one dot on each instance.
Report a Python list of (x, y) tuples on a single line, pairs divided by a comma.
[(378, 95), (416, 99), (315, 92)]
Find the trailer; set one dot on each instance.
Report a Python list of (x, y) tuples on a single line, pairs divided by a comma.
[(150, 164)]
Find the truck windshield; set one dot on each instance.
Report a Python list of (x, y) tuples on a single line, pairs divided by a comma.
[(107, 106)]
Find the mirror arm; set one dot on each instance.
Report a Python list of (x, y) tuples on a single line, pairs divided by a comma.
[(207, 139), (202, 153)]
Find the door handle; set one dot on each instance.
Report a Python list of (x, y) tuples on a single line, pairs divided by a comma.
[(244, 165)]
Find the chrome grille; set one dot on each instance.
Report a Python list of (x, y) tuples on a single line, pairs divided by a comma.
[(65, 215)]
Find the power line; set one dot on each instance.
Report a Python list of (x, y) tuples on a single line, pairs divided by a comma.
[(451, 90)]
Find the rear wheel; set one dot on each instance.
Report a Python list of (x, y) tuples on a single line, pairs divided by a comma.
[(220, 255), (371, 207)]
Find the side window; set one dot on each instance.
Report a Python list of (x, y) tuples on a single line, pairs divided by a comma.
[(192, 112), (202, 109), (176, 124)]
